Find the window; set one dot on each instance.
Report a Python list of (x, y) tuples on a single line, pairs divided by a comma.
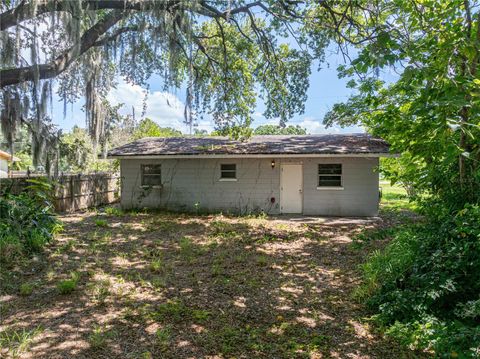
[(151, 175), (228, 172), (330, 175)]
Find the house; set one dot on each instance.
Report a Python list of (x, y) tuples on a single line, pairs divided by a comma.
[(331, 175), (5, 157)]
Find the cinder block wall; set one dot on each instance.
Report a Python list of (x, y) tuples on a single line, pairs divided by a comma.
[(191, 184)]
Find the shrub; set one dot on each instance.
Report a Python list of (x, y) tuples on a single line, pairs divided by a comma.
[(425, 285), (27, 221)]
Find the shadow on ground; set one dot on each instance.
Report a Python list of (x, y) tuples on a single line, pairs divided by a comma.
[(165, 285)]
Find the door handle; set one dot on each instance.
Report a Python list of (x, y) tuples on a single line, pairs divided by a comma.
[(300, 190)]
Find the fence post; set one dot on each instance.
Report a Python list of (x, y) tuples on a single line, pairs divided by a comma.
[(72, 198)]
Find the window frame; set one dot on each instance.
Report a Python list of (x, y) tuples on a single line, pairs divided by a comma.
[(339, 175), (143, 175), (234, 171)]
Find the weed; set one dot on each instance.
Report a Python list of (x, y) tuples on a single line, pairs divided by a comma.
[(113, 211), (67, 246), (67, 286), (163, 336), (187, 248), (26, 289), (99, 336), (217, 269), (172, 309), (18, 341), (101, 291), (100, 222), (200, 314), (262, 260), (156, 265)]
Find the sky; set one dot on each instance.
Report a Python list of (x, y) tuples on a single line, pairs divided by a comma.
[(167, 109)]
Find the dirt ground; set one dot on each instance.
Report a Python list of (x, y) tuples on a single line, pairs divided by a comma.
[(163, 285)]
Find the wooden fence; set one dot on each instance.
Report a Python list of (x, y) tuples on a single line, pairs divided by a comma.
[(74, 192)]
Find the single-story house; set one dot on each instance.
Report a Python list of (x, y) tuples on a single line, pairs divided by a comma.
[(5, 157), (331, 175)]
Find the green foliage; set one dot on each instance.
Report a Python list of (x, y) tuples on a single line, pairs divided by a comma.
[(76, 151), (231, 95), (27, 221), (148, 128), (429, 114), (156, 265), (279, 130), (24, 161), (26, 289), (17, 341), (67, 286), (163, 336), (425, 284), (113, 211), (99, 336), (100, 222)]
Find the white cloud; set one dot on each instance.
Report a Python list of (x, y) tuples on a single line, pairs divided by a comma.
[(167, 110), (164, 108), (314, 126)]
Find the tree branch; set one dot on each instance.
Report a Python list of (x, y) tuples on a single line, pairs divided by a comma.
[(25, 11), (60, 64)]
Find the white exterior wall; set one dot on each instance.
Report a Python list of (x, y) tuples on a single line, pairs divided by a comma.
[(190, 184), (360, 194), (3, 168), (195, 183)]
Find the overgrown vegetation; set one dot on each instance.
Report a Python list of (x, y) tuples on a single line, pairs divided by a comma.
[(27, 221), (424, 286)]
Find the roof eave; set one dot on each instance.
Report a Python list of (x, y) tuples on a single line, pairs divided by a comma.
[(249, 155)]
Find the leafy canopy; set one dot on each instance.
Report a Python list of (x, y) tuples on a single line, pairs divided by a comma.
[(430, 112), (279, 130), (148, 128)]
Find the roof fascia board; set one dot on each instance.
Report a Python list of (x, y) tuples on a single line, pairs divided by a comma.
[(273, 155)]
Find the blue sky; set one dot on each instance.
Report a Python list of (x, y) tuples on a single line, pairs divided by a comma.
[(166, 109)]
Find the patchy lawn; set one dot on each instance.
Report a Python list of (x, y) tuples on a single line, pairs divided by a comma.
[(163, 285)]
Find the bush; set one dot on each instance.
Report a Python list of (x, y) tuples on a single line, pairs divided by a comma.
[(425, 285), (27, 221)]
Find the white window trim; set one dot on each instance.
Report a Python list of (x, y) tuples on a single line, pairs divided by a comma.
[(330, 188), (228, 180)]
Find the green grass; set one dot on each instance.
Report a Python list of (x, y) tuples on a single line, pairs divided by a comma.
[(26, 289), (394, 198), (163, 336), (99, 336), (113, 211), (156, 265), (99, 222), (67, 286), (17, 341)]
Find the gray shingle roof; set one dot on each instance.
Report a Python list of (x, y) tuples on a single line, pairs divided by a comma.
[(256, 145)]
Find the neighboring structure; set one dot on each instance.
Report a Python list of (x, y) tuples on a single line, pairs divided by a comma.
[(5, 158), (332, 175)]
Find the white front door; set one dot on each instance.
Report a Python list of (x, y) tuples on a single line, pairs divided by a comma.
[(291, 188)]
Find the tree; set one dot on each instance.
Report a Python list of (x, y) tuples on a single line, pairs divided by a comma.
[(431, 111), (76, 151), (148, 128), (279, 130), (222, 52)]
